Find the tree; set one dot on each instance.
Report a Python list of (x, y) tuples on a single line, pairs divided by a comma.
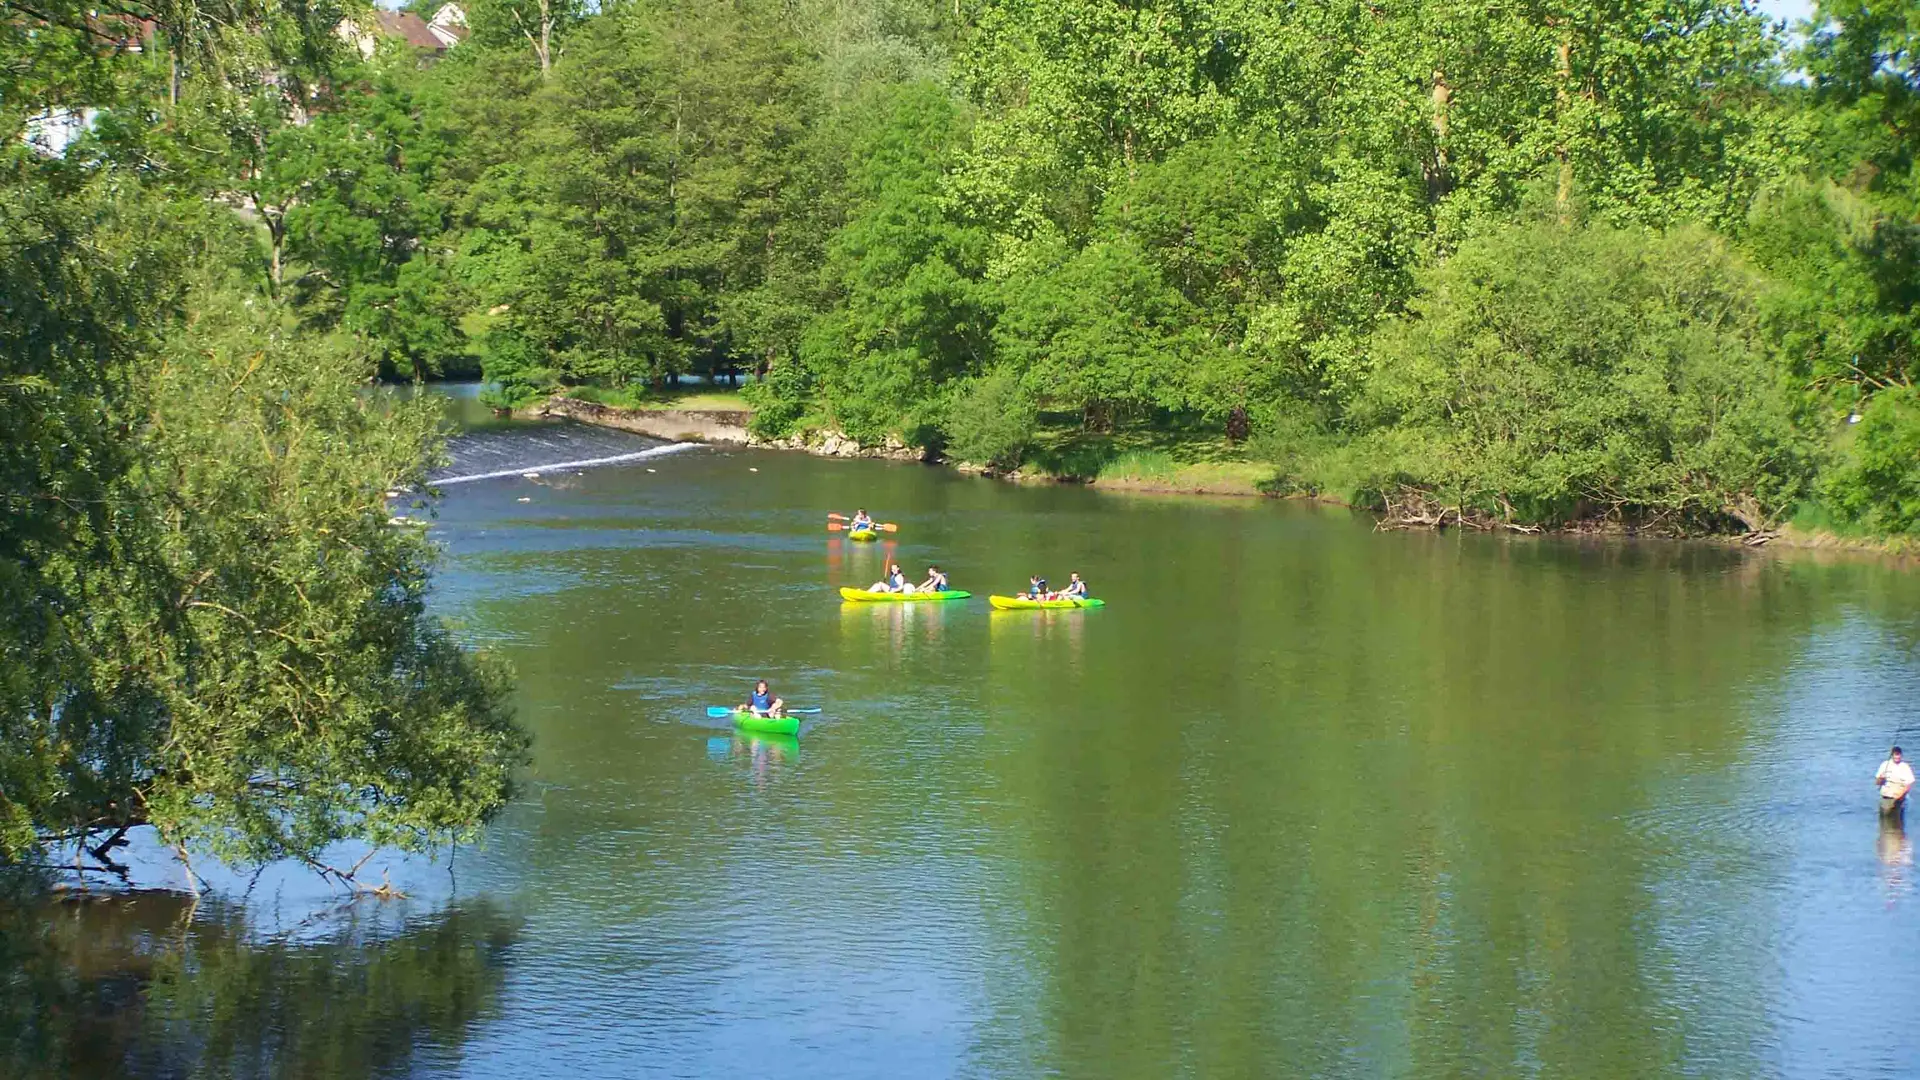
[(1545, 375), (211, 628), (911, 311)]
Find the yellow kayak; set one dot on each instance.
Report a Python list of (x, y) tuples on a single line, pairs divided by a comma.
[(901, 597), (1021, 603)]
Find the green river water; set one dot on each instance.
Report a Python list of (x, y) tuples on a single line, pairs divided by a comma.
[(1304, 800)]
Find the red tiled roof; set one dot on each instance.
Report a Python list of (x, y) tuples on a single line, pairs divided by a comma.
[(409, 27)]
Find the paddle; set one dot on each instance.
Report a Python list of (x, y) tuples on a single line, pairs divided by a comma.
[(718, 711), (888, 526)]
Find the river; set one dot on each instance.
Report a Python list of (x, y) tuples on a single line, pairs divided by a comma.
[(1304, 799)]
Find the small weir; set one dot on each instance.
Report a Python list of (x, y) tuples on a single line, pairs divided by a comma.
[(509, 449)]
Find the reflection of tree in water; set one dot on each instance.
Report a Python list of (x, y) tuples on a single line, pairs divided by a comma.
[(142, 985)]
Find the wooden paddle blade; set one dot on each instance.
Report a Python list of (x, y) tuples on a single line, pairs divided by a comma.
[(834, 526), (888, 527), (837, 517)]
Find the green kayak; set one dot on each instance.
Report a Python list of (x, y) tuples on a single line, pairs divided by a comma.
[(901, 597), (1021, 603), (745, 720)]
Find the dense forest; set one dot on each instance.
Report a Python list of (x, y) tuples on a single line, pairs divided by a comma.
[(1550, 264), (1648, 265)]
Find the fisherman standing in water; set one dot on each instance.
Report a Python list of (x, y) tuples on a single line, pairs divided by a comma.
[(1893, 779)]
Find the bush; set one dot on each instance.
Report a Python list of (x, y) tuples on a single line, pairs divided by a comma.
[(990, 422), (779, 400), (1547, 374), (1877, 483)]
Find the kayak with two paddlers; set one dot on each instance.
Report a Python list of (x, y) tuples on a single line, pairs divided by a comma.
[(1039, 596)]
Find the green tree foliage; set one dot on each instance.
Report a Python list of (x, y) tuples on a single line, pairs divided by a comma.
[(910, 311), (990, 421), (211, 627), (365, 210), (658, 201), (1876, 483), (1546, 374)]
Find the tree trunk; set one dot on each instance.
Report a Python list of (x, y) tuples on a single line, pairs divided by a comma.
[(1239, 424), (276, 244), (1563, 77), (1438, 181), (546, 37)]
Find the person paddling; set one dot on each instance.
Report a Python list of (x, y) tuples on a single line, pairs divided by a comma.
[(1894, 778), (936, 581), (1075, 590), (861, 522), (762, 702), (895, 581), (1037, 588)]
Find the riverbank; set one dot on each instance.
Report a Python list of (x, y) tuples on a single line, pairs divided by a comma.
[(1116, 463), (1157, 463)]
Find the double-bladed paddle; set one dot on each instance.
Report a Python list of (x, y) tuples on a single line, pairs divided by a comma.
[(718, 711)]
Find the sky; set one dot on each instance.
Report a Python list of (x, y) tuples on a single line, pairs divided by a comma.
[(1789, 10)]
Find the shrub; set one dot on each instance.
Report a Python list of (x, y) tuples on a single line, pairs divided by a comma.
[(1877, 483), (990, 422), (1547, 374)]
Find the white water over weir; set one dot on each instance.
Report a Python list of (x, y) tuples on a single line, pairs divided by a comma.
[(497, 449), (561, 466)]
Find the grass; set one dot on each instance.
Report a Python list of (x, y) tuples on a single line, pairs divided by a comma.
[(1145, 457), (703, 398)]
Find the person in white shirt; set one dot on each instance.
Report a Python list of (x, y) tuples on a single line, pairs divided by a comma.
[(1893, 780)]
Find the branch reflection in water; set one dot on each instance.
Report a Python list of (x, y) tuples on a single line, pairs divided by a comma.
[(146, 983)]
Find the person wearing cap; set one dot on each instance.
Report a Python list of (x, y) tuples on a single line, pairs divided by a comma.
[(1893, 779)]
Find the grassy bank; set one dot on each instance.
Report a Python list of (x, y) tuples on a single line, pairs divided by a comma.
[(696, 398), (1195, 461)]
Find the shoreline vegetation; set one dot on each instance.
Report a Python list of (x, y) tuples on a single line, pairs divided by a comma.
[(1149, 463)]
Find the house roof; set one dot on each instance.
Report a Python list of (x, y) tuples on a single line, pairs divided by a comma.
[(409, 27)]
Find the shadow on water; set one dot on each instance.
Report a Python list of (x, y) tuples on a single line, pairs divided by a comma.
[(148, 984)]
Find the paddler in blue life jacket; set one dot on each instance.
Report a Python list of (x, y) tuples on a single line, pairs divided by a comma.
[(936, 581), (1037, 588), (762, 702), (895, 581), (861, 522), (1075, 590)]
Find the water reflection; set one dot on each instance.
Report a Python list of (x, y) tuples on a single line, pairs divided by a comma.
[(900, 631), (1896, 855), (1045, 625), (149, 984)]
